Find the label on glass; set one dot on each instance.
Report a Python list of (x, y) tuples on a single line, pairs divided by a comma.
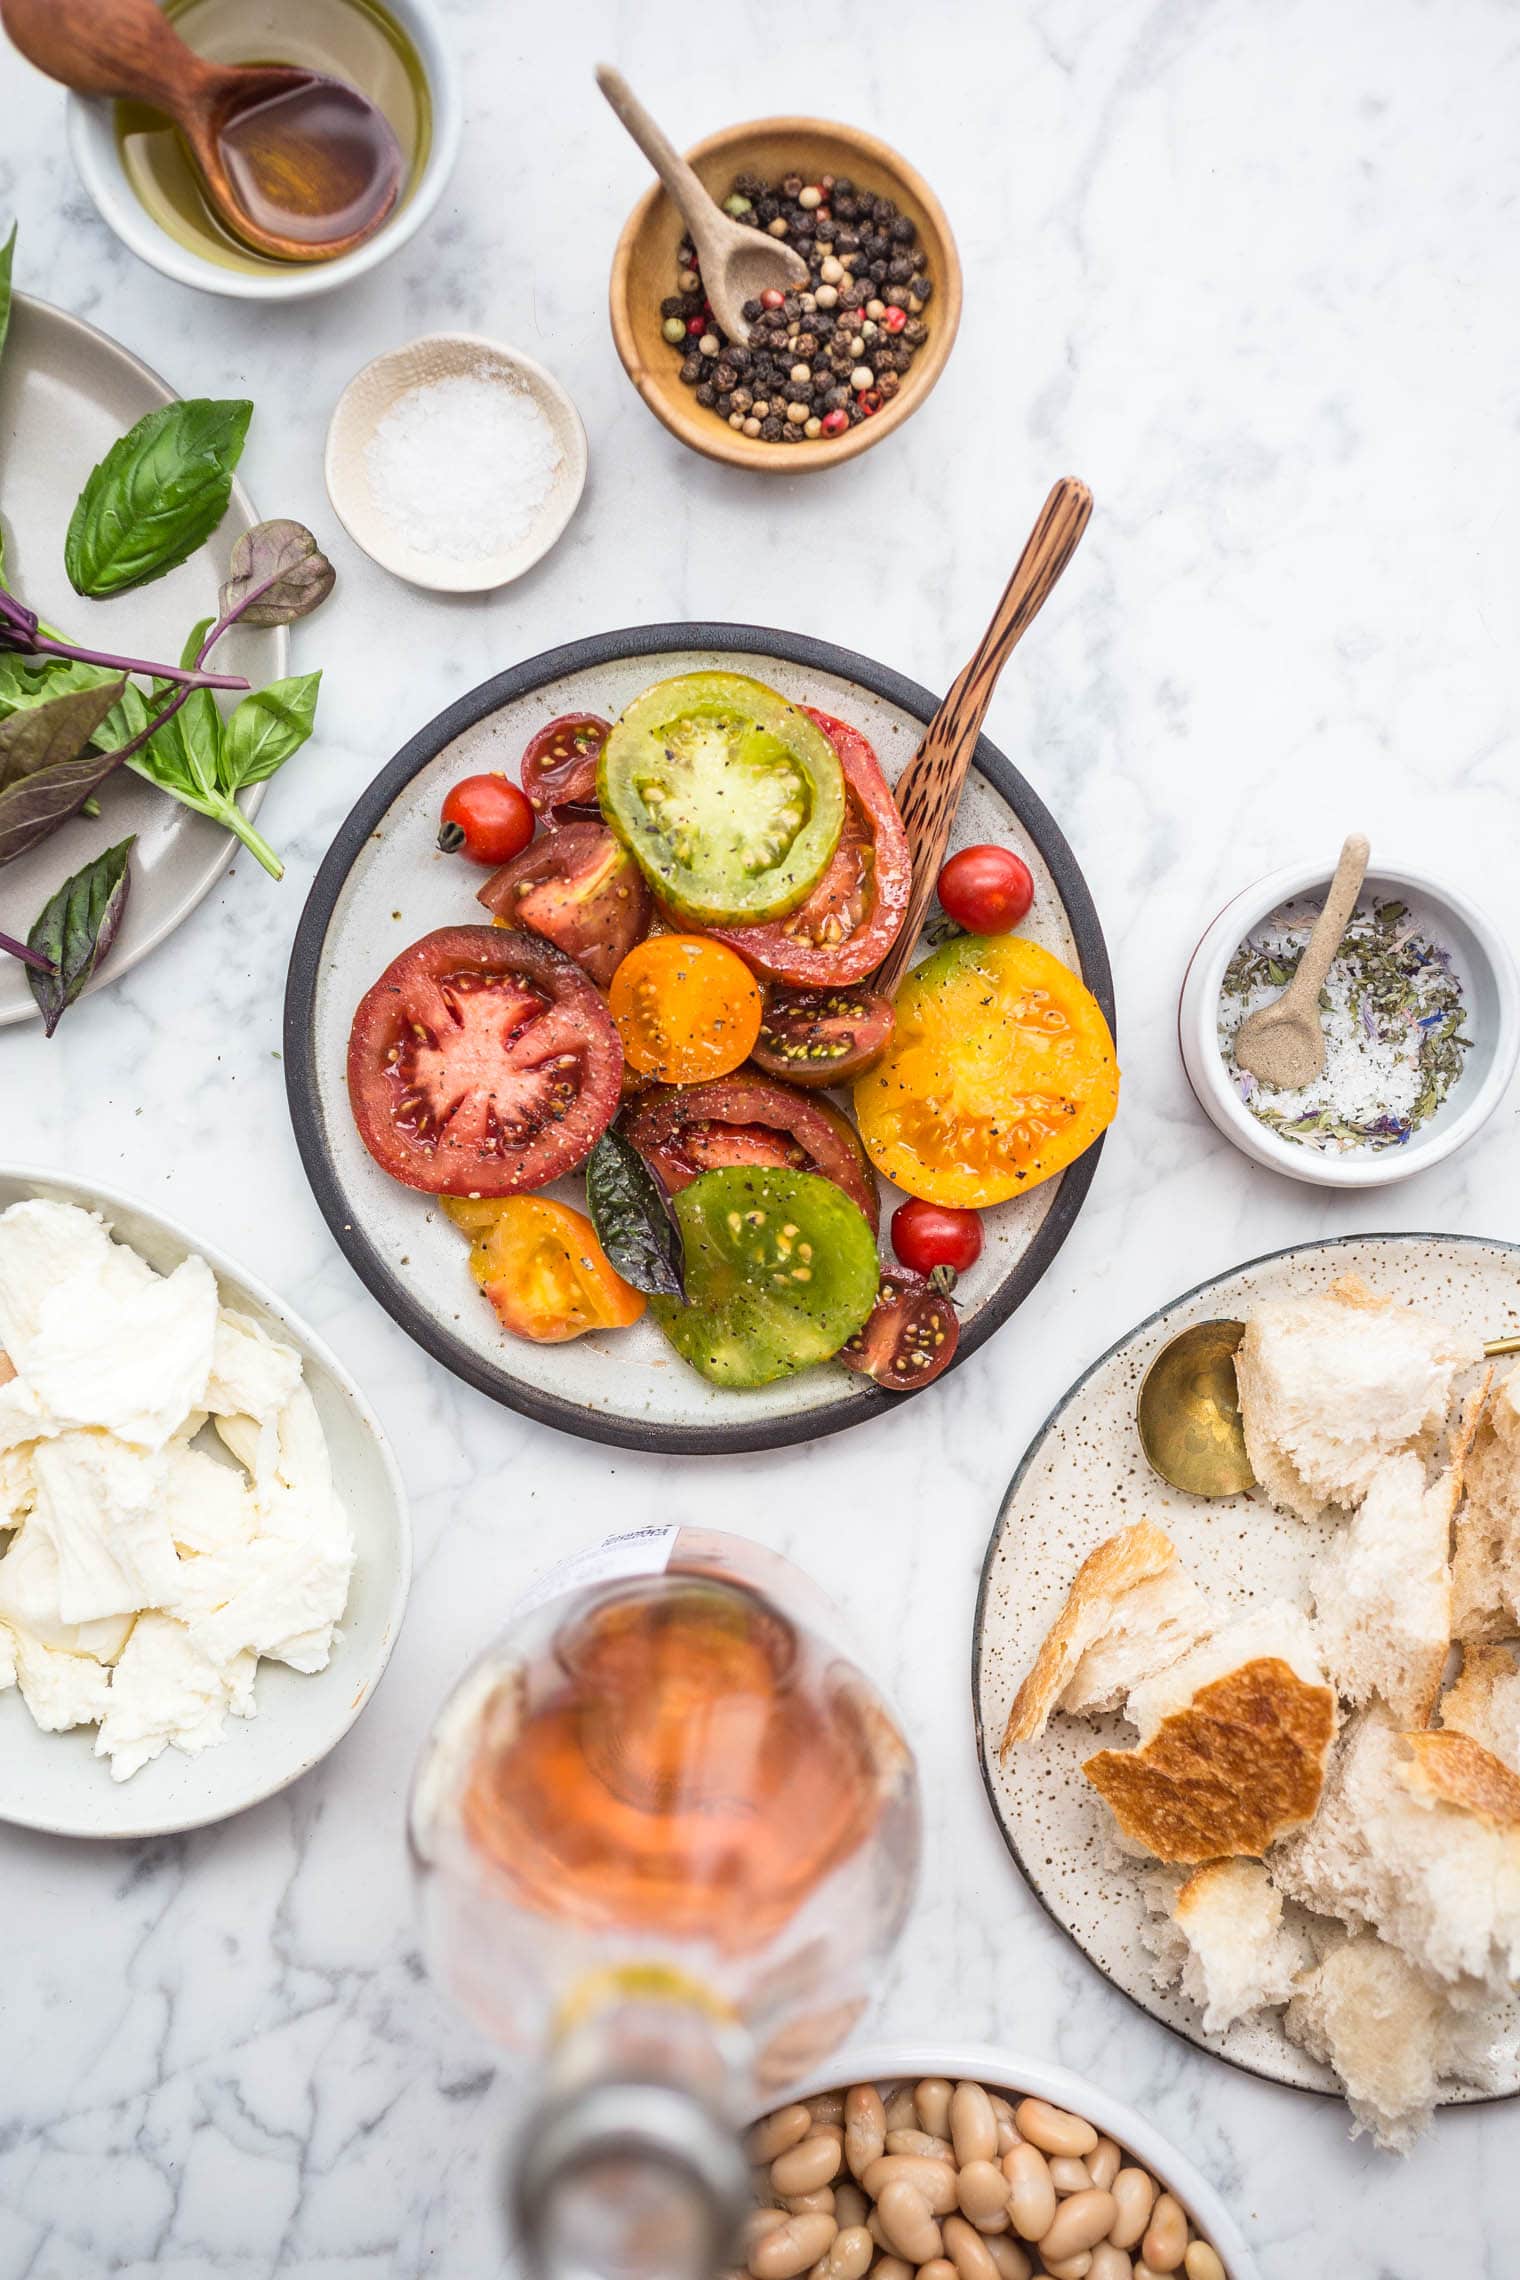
[(643, 1551)]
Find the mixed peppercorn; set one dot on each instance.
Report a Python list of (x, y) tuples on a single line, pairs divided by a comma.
[(820, 360)]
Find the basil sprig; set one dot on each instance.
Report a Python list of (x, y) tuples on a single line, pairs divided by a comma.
[(157, 495), (48, 766), (634, 1224), (75, 931)]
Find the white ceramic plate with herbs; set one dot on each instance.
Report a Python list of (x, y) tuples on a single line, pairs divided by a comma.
[(67, 392), (1082, 1479), (383, 884), (54, 1782)]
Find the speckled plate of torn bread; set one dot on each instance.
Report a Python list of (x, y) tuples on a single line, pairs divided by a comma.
[(1260, 1756)]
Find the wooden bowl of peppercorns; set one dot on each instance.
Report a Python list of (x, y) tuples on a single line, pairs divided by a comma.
[(829, 370)]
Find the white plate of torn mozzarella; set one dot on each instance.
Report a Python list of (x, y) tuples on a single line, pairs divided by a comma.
[(204, 1549), (1260, 1755)]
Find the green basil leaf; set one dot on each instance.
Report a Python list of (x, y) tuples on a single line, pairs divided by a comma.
[(157, 495), (47, 768), (634, 1223), (277, 574), (76, 929), (265, 728), (7, 256), (26, 682)]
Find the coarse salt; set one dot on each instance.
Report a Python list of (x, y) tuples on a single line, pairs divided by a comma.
[(460, 467)]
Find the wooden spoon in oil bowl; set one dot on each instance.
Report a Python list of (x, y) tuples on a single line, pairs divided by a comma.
[(737, 263), (298, 166), (928, 790), (1282, 1045)]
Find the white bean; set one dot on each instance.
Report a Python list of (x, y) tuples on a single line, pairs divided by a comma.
[(967, 2250), (1031, 2196), (828, 2106), (973, 2124), (848, 2256), (983, 2191), (931, 2101), (1067, 2174), (1202, 2262), (1052, 2129), (809, 2204), (907, 2221), (794, 2245), (1166, 2236), (1104, 2163), (849, 2206), (1011, 2260), (1071, 2267), (934, 2179), (902, 2114), (758, 2223), (779, 2130), (1080, 2222), (891, 2268), (919, 2142), (937, 2268), (865, 2127), (808, 2164), (1134, 2192), (1109, 2263)]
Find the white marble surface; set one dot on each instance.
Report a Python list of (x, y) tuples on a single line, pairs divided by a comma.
[(1250, 271)]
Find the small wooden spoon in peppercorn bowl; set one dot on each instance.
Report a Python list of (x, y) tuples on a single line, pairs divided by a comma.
[(806, 153)]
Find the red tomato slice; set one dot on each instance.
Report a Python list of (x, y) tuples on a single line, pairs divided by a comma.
[(910, 1338), (581, 890), (854, 914), (559, 766), (482, 1062), (687, 1129)]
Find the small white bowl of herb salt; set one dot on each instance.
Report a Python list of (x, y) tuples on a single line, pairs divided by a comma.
[(1421, 1015)]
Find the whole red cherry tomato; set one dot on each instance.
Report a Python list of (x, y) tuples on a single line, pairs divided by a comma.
[(930, 1235), (987, 890), (487, 819)]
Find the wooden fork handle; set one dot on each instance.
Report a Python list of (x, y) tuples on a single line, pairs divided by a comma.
[(929, 790), (124, 47)]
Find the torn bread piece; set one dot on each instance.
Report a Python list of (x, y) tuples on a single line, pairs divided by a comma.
[(1220, 1936), (1132, 1608), (1382, 1592), (1486, 1567), (1418, 1836), (1233, 1743), (1332, 1386), (1485, 1703), (1365, 2011)]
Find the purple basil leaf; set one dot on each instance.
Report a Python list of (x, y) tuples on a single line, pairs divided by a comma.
[(76, 929), (46, 767), (277, 574)]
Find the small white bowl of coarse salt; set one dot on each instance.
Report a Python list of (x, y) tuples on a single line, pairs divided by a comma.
[(455, 462), (1421, 1014)]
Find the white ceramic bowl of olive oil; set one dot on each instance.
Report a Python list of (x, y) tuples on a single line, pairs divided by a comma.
[(1482, 962), (133, 166)]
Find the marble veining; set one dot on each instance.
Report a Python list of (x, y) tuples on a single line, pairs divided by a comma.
[(1251, 273)]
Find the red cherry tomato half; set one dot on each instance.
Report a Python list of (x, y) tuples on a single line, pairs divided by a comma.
[(930, 1235), (910, 1338), (987, 890), (559, 766), (486, 819), (580, 889)]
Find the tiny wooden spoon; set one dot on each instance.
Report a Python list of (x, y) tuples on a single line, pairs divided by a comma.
[(1282, 1045), (298, 166), (929, 788), (737, 264)]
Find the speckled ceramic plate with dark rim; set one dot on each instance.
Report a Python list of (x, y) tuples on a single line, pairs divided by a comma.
[(383, 884), (1082, 1478)]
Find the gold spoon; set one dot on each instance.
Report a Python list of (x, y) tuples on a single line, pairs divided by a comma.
[(298, 166), (1282, 1045), (737, 264), (1189, 1410)]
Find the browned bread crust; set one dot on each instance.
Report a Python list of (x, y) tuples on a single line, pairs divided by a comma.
[(1133, 1556), (1450, 1768)]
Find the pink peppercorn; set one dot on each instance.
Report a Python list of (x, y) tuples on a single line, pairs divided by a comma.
[(772, 298), (835, 423), (895, 319)]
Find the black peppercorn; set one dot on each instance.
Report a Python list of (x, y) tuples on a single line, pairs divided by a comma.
[(903, 230), (806, 345), (856, 411), (752, 312), (738, 356), (848, 241), (877, 274), (743, 398), (673, 305), (706, 393), (899, 269), (803, 227), (791, 185), (924, 288), (749, 186), (692, 370), (766, 210), (723, 402), (725, 376), (771, 427)]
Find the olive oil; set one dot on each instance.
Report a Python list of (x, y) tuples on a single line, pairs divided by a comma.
[(352, 40)]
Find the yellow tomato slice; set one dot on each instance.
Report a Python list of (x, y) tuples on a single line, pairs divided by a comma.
[(687, 1009), (1001, 1071), (542, 1268)]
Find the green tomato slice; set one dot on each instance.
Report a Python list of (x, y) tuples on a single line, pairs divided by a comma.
[(730, 799), (781, 1269)]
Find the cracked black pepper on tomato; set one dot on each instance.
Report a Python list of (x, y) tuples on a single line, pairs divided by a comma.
[(827, 357)]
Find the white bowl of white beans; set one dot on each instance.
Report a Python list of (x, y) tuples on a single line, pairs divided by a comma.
[(925, 2162)]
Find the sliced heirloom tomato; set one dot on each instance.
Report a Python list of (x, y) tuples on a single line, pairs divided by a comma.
[(581, 890), (910, 1338), (823, 1037), (559, 766), (482, 1062), (731, 799), (542, 1268), (780, 1271), (684, 1130), (687, 1009), (1000, 1073), (855, 913)]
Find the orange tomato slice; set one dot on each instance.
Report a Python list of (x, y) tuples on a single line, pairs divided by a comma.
[(542, 1268), (686, 1009), (1001, 1071)]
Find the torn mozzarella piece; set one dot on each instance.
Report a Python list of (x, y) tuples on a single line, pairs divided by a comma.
[(207, 1505), (252, 1374), (29, 1603), (130, 1363), (163, 1690), (100, 1504), (60, 1690)]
